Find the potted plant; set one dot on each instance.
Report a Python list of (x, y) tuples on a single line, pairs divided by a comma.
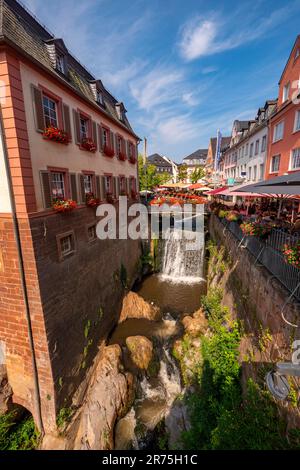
[(63, 205), (91, 200), (291, 254), (56, 135), (89, 144)]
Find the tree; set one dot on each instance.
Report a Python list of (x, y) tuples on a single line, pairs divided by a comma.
[(182, 173), (197, 174), (148, 176)]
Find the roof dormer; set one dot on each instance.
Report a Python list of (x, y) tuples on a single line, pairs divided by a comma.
[(121, 111), (58, 55), (98, 92)]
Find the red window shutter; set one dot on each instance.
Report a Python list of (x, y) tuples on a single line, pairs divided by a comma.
[(100, 137), (67, 121), (98, 189), (46, 188), (76, 119), (94, 133), (112, 142), (73, 187), (82, 191), (38, 108), (102, 188)]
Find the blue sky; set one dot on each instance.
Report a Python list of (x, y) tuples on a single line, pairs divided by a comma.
[(183, 68)]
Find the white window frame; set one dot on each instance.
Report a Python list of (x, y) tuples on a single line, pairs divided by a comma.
[(297, 120), (88, 184), (60, 63), (58, 184), (291, 167), (286, 92), (50, 113), (276, 138), (271, 163)]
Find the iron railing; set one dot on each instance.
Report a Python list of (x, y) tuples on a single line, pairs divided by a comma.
[(269, 254)]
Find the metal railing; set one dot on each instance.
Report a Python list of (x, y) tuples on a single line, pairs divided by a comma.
[(269, 254)]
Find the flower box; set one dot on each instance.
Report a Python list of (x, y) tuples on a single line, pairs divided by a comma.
[(91, 200), (56, 135), (89, 145), (291, 254), (122, 156), (255, 229), (64, 205), (108, 151), (132, 160)]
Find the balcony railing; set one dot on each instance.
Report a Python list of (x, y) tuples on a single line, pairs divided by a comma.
[(269, 254)]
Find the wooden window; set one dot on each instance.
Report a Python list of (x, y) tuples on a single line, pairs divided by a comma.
[(286, 92), (73, 187), (264, 143), (100, 99), (122, 183), (65, 244), (50, 111), (108, 184), (297, 121), (60, 63), (88, 184)]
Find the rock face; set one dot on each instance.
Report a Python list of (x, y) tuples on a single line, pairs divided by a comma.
[(110, 394), (5, 391), (135, 306), (141, 351), (195, 324)]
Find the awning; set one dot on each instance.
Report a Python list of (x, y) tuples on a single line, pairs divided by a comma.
[(199, 187), (284, 186), (217, 191)]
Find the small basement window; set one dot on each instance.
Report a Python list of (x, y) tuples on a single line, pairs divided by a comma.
[(65, 245), (91, 233)]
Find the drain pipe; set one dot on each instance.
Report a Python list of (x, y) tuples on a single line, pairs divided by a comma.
[(22, 276)]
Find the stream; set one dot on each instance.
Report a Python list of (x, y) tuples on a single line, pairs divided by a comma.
[(176, 290)]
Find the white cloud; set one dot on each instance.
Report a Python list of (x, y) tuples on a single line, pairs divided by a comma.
[(207, 36), (177, 129), (209, 69), (190, 99), (159, 86)]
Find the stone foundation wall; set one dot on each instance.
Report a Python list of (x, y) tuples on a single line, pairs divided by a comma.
[(256, 298)]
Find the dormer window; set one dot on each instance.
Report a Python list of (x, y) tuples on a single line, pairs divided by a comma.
[(120, 111), (99, 97), (60, 63)]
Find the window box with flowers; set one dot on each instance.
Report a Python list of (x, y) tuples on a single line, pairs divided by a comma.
[(291, 254), (108, 151), (122, 156), (63, 205), (256, 229), (56, 135), (89, 145), (91, 200)]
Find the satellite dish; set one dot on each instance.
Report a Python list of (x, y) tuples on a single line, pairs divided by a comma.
[(278, 385)]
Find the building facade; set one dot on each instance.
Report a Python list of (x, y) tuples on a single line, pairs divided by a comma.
[(284, 135), (65, 137), (245, 159), (194, 161), (215, 174)]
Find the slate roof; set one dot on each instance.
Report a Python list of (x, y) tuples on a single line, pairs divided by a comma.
[(200, 154), (224, 144), (158, 160), (20, 29)]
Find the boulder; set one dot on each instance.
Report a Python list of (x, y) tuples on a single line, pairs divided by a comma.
[(141, 351), (135, 306), (196, 324), (109, 397)]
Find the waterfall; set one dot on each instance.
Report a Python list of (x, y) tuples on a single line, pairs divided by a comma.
[(179, 263)]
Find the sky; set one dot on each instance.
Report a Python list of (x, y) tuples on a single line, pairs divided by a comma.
[(183, 68)]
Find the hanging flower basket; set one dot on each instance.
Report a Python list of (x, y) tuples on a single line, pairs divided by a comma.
[(109, 151), (56, 135), (291, 254), (89, 144), (64, 205), (91, 200)]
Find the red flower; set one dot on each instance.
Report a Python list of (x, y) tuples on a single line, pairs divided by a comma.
[(89, 144), (55, 134)]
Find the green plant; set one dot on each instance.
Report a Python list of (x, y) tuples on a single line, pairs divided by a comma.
[(87, 329), (17, 435), (63, 417)]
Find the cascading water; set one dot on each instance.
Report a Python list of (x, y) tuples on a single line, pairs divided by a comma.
[(180, 263)]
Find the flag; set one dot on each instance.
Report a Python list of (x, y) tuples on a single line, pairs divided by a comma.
[(218, 150)]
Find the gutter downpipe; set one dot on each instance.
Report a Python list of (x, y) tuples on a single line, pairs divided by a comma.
[(23, 278)]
